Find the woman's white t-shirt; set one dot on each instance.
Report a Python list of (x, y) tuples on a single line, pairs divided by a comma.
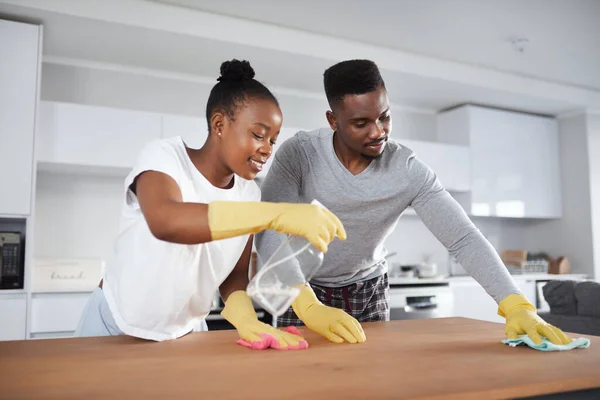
[(158, 290)]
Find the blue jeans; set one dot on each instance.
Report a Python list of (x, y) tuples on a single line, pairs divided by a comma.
[(96, 319)]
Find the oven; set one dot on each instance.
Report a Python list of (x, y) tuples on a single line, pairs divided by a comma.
[(420, 300)]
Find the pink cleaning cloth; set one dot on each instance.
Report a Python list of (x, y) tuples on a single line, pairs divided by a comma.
[(269, 341)]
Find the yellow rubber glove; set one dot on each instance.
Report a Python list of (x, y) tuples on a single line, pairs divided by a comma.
[(330, 322), (239, 312), (315, 223), (521, 318)]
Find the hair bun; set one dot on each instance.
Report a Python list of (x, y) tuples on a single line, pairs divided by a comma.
[(236, 70)]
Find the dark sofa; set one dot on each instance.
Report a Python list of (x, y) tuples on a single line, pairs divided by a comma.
[(574, 306)]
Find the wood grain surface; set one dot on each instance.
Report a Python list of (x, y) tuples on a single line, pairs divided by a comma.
[(427, 359)]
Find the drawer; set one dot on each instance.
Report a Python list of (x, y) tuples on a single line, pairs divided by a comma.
[(56, 312), (13, 316)]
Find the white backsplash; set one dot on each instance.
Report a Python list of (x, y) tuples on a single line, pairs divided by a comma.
[(413, 241), (77, 217)]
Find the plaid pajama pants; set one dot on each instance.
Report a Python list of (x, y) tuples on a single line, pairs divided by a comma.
[(366, 301)]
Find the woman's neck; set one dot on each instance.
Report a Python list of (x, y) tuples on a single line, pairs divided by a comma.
[(209, 164)]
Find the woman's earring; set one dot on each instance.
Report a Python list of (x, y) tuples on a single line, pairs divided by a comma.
[(219, 133)]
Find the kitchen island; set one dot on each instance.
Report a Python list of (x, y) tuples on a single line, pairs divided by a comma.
[(434, 358)]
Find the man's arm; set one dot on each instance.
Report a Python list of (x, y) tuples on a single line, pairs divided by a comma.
[(238, 278), (447, 220)]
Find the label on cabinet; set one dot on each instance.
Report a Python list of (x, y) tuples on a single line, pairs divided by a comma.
[(66, 275)]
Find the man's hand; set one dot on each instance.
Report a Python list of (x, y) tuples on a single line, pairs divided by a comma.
[(330, 322), (521, 318)]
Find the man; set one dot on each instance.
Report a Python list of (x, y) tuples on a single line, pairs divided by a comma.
[(368, 180)]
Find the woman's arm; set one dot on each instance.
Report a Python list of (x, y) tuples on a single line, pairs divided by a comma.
[(168, 217), (172, 220), (238, 278)]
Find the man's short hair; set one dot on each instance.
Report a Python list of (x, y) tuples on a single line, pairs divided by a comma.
[(351, 77)]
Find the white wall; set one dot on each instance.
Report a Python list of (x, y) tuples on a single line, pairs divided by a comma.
[(413, 241), (593, 130), (571, 235), (77, 216)]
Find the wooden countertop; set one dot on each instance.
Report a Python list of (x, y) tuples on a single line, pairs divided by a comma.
[(437, 358)]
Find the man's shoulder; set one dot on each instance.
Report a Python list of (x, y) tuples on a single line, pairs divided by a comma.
[(398, 151), (400, 157), (304, 141), (310, 136)]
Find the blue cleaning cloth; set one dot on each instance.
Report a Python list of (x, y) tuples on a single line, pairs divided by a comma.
[(581, 343)]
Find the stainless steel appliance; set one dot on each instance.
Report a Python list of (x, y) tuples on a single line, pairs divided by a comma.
[(419, 300), (12, 260)]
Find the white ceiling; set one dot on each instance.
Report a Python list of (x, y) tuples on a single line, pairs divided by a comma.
[(68, 37), (564, 35), (76, 38), (103, 42)]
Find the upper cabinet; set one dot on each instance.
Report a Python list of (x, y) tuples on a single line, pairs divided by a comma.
[(20, 48), (450, 163), (515, 167), (83, 135), (77, 135)]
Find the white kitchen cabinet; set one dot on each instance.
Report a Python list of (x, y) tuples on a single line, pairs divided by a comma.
[(20, 46), (193, 130), (529, 289), (472, 301), (451, 163), (84, 135), (45, 134), (13, 316), (81, 135), (515, 167), (56, 314)]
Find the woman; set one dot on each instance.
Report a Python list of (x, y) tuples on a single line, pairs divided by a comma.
[(187, 224)]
